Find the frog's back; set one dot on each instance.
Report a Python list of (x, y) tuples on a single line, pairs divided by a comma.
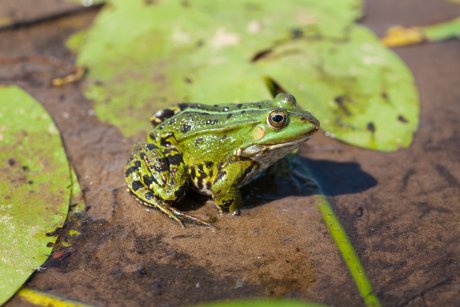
[(162, 115)]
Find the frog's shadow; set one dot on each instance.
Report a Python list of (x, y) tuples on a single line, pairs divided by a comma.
[(279, 181)]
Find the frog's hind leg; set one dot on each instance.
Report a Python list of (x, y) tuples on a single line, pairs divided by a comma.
[(157, 177)]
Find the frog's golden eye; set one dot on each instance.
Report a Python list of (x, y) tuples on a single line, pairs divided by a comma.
[(277, 119)]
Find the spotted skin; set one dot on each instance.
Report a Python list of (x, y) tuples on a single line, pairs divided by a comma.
[(213, 149), (158, 179)]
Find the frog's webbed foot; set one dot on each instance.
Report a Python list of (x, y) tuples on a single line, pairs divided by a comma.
[(228, 200), (175, 214), (182, 217)]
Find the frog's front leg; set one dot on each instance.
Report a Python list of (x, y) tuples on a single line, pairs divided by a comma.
[(157, 177), (225, 188)]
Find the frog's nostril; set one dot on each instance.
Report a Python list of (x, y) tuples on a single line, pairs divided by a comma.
[(306, 118), (310, 119)]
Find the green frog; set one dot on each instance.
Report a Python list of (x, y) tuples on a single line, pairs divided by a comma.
[(215, 150)]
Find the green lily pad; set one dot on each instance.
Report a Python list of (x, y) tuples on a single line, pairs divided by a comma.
[(34, 187), (142, 57)]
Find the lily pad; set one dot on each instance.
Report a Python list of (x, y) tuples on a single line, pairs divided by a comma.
[(34, 187), (142, 57)]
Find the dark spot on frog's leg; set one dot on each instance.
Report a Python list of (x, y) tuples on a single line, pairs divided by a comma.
[(219, 176), (169, 151), (175, 160), (229, 115), (142, 155), (199, 183), (211, 173), (161, 165), (131, 170), (209, 164), (148, 195), (150, 146), (148, 180), (11, 162), (208, 185), (185, 128), (192, 172), (402, 119), (164, 142), (239, 105), (137, 163), (136, 185), (201, 172), (370, 127)]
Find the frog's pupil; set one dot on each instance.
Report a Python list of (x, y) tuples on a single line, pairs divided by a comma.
[(278, 118)]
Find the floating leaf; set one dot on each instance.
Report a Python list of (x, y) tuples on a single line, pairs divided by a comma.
[(34, 187), (143, 57)]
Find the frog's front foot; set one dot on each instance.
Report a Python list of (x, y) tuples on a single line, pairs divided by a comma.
[(228, 202)]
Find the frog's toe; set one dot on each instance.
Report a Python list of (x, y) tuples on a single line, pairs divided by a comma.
[(185, 218), (236, 212)]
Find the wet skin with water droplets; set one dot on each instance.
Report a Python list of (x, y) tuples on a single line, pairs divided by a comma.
[(213, 149)]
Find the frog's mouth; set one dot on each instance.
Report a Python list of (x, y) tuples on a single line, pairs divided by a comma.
[(282, 149)]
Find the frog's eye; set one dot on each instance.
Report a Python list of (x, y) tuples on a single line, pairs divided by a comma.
[(277, 119)]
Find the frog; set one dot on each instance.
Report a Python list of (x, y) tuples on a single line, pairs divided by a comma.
[(215, 150)]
